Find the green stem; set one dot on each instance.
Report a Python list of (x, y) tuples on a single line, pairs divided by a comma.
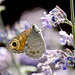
[(1, 22), (72, 11), (73, 32), (72, 19), (16, 65)]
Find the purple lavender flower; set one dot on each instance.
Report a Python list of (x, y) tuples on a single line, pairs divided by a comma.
[(48, 66), (45, 67), (67, 39), (55, 58), (70, 40), (45, 21), (66, 60), (64, 39), (55, 17), (51, 55)]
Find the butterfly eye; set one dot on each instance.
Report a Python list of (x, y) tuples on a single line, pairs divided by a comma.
[(14, 44)]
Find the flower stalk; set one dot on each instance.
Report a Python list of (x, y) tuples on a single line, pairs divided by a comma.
[(72, 11), (1, 22), (16, 65), (73, 32), (72, 19)]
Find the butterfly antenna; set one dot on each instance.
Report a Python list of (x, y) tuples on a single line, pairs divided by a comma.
[(38, 22), (28, 20)]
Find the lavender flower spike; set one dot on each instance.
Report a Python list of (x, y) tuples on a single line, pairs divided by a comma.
[(63, 40), (45, 21), (55, 17), (67, 39)]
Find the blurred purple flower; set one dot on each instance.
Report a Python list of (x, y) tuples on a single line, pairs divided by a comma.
[(55, 17), (4, 71), (3, 36), (42, 73), (21, 26), (3, 57), (67, 39), (28, 61), (6, 36), (10, 34)]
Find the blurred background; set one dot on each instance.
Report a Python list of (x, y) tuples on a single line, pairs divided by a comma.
[(16, 9), (18, 16)]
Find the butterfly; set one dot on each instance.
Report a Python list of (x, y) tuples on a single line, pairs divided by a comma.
[(30, 42)]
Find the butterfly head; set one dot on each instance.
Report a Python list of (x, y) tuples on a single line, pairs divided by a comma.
[(35, 28)]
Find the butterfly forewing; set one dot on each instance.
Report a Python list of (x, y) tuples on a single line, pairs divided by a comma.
[(19, 41)]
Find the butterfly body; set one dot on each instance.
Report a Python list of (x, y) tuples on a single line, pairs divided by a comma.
[(30, 41)]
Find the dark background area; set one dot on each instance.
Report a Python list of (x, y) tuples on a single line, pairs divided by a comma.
[(14, 8)]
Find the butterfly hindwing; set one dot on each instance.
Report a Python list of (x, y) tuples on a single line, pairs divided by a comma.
[(34, 45)]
